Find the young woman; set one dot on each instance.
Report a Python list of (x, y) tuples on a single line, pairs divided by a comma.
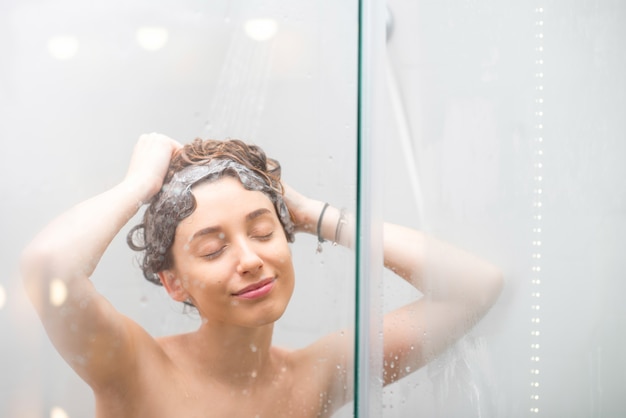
[(216, 235)]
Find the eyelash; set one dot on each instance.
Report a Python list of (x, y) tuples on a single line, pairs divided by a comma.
[(265, 237), (215, 254)]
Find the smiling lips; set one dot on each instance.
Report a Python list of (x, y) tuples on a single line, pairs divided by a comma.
[(256, 290)]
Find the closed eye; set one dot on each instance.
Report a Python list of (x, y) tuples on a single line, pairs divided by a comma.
[(265, 237), (214, 254)]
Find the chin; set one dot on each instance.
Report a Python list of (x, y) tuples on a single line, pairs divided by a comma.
[(269, 316)]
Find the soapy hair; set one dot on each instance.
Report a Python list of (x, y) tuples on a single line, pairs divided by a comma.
[(202, 161)]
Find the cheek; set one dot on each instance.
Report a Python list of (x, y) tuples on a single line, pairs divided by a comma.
[(285, 264), (282, 255), (189, 274), (196, 275)]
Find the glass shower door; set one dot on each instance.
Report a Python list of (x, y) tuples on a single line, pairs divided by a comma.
[(504, 135), (79, 83)]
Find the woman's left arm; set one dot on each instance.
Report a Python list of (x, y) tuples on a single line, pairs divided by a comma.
[(457, 287)]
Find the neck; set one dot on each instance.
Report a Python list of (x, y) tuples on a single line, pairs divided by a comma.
[(236, 355)]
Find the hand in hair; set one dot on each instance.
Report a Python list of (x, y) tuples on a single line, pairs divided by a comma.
[(149, 163)]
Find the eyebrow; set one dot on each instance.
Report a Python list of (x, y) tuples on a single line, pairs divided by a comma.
[(213, 229), (256, 213)]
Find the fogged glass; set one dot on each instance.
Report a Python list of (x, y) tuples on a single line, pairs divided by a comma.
[(505, 137), (80, 82)]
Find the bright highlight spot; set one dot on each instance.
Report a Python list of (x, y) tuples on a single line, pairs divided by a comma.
[(152, 38), (3, 297), (57, 412), (63, 47), (261, 29), (58, 292)]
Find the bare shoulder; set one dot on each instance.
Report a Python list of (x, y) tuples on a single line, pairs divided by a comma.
[(329, 362), (133, 394), (311, 382)]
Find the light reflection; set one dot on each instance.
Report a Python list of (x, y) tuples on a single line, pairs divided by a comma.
[(63, 47), (152, 38), (58, 292), (261, 29), (58, 412), (3, 296)]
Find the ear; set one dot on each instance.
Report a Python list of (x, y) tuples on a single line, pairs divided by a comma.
[(173, 285)]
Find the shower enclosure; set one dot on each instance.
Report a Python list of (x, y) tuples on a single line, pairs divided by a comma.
[(515, 114), (496, 127)]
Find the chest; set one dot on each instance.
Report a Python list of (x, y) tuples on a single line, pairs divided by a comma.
[(289, 396)]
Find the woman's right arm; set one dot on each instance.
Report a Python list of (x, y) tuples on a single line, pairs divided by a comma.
[(96, 340)]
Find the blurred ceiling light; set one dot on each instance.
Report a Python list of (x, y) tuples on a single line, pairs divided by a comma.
[(3, 296), (57, 412), (58, 292), (261, 29), (152, 38), (63, 47)]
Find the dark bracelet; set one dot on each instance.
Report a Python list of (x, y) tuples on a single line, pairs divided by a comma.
[(320, 240)]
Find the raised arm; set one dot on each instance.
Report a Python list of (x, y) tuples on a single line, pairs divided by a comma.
[(457, 287), (458, 290), (87, 331)]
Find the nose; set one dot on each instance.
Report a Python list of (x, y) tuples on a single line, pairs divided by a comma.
[(249, 260)]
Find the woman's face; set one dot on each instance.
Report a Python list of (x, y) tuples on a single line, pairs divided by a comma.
[(231, 256)]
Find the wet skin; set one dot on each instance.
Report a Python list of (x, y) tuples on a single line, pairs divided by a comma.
[(233, 262)]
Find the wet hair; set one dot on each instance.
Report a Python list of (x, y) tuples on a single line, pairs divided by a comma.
[(201, 161)]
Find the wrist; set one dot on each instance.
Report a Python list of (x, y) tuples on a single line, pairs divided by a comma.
[(144, 179), (307, 218), (140, 192), (334, 225)]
